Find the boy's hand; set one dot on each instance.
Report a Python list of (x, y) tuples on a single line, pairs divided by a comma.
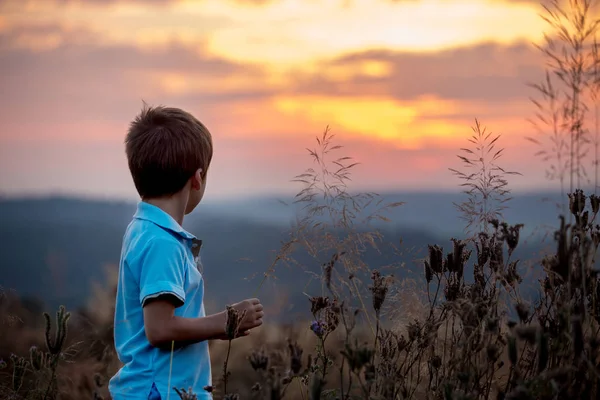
[(253, 317)]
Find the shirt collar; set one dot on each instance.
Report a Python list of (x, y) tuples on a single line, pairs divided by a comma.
[(149, 212)]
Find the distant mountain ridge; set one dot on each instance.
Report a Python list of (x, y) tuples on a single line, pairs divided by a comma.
[(54, 248)]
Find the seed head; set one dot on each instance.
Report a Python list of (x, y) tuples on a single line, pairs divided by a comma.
[(234, 319), (259, 360), (428, 272), (595, 203), (522, 311), (577, 202), (295, 357), (379, 290), (436, 258), (414, 330), (318, 303)]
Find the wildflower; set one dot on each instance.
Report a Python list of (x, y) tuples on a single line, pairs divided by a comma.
[(379, 290), (3, 364), (318, 303), (436, 361), (414, 331), (436, 258), (428, 272), (577, 202), (459, 257), (510, 235), (357, 357), (497, 257), (595, 203), (483, 248), (259, 360), (512, 276), (332, 316), (319, 328), (522, 311), (295, 357)]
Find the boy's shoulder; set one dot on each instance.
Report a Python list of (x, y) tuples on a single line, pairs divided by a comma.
[(153, 228)]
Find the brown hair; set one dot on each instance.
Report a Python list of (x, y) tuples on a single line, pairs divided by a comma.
[(165, 147)]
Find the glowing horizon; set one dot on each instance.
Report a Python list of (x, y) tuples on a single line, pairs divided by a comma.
[(400, 83)]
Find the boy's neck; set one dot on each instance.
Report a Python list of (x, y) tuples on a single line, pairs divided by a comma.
[(174, 206)]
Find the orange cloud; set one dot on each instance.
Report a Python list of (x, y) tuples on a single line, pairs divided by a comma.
[(407, 125)]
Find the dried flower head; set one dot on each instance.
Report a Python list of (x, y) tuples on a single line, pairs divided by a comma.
[(318, 303), (357, 356), (436, 258), (234, 319), (379, 290), (295, 357), (259, 360), (595, 203), (577, 202)]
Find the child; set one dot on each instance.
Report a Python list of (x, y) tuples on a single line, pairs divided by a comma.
[(161, 329)]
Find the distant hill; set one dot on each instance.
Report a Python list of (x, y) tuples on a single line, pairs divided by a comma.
[(54, 248)]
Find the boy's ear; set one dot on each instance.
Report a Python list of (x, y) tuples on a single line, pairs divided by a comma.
[(197, 180)]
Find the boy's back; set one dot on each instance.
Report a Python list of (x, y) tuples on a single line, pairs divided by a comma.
[(157, 259), (161, 330)]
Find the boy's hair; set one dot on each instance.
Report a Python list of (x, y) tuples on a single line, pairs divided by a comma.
[(165, 147)]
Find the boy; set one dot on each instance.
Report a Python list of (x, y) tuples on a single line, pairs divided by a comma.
[(161, 330)]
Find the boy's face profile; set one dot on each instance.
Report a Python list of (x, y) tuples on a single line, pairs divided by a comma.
[(196, 193)]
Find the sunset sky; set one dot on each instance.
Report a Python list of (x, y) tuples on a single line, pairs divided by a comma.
[(400, 82)]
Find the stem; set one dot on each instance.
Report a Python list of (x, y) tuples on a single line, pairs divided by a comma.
[(225, 367), (170, 369), (324, 357), (265, 274), (301, 391), (52, 377), (362, 303)]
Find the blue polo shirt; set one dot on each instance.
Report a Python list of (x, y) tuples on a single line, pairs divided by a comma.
[(158, 257)]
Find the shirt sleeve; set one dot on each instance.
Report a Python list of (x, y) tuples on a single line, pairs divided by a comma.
[(162, 271)]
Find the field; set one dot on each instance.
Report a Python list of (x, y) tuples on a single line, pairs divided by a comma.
[(477, 323)]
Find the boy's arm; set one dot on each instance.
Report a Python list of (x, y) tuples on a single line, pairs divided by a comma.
[(162, 326), (162, 273)]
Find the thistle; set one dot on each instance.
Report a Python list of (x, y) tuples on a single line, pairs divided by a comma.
[(55, 344)]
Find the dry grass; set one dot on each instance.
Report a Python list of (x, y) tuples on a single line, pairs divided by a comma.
[(460, 330)]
